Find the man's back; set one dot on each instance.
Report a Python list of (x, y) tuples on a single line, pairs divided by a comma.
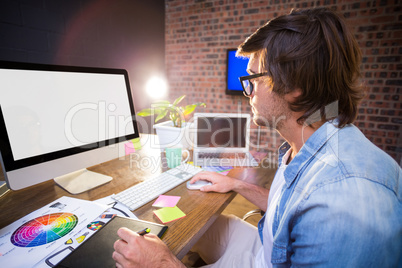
[(341, 205)]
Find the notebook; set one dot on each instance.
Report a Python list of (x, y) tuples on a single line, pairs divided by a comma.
[(222, 139), (98, 249)]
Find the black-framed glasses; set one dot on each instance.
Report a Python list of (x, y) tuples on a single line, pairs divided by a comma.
[(246, 83)]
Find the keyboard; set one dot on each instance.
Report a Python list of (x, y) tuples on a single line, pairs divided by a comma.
[(143, 192)]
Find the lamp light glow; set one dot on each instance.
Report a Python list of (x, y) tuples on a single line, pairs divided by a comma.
[(156, 87)]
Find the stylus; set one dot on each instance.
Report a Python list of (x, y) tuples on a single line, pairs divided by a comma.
[(143, 232)]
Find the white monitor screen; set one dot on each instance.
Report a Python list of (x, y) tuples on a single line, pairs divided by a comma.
[(48, 112), (51, 111)]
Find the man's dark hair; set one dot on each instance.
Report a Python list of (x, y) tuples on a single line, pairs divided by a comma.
[(314, 51)]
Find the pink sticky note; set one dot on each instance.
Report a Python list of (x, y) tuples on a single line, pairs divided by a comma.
[(129, 148), (166, 201)]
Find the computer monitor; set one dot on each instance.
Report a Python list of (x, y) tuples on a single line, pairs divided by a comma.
[(57, 120), (235, 67)]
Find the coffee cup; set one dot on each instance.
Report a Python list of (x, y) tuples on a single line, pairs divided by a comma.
[(174, 156)]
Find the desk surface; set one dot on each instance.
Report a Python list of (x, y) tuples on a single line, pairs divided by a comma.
[(201, 208)]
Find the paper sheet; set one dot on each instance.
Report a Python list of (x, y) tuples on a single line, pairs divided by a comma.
[(168, 214), (113, 208), (129, 148), (37, 234), (166, 201), (137, 143)]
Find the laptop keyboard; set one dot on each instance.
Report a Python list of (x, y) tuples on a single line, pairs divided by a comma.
[(222, 155)]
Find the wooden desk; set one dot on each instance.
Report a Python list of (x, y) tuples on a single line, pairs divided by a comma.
[(201, 208)]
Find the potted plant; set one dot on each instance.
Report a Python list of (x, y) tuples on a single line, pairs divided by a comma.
[(176, 131)]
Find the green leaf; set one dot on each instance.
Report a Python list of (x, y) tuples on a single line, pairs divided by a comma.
[(176, 113), (151, 111), (145, 112), (177, 121), (161, 116), (173, 109), (179, 99), (190, 108), (160, 104), (173, 117), (158, 110)]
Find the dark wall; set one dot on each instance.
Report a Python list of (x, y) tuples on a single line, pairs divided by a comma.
[(127, 34)]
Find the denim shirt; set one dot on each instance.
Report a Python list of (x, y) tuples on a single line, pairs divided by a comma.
[(340, 205)]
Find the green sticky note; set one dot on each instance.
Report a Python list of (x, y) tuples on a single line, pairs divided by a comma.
[(168, 214), (137, 144)]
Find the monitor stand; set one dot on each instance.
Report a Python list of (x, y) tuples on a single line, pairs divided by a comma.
[(81, 180)]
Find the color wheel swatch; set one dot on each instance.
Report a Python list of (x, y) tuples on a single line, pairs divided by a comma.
[(44, 229)]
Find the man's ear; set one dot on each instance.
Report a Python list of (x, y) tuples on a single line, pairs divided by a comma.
[(293, 95)]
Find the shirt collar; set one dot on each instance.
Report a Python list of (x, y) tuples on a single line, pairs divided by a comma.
[(308, 150)]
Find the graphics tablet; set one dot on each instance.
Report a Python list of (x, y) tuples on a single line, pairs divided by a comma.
[(98, 249)]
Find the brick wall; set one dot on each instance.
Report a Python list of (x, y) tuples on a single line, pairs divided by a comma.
[(198, 33)]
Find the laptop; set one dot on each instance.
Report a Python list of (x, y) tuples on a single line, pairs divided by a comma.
[(222, 139)]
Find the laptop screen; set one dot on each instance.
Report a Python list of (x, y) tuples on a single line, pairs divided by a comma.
[(226, 132)]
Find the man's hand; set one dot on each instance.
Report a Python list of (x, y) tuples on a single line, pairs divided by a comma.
[(220, 183), (134, 250), (223, 184)]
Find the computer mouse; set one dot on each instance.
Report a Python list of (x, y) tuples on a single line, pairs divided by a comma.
[(197, 185)]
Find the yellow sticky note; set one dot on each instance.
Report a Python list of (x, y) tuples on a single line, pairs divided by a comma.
[(192, 163), (137, 144), (168, 214)]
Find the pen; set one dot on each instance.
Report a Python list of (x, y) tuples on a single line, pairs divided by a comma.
[(144, 231)]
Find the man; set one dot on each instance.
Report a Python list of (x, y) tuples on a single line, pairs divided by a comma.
[(336, 198)]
